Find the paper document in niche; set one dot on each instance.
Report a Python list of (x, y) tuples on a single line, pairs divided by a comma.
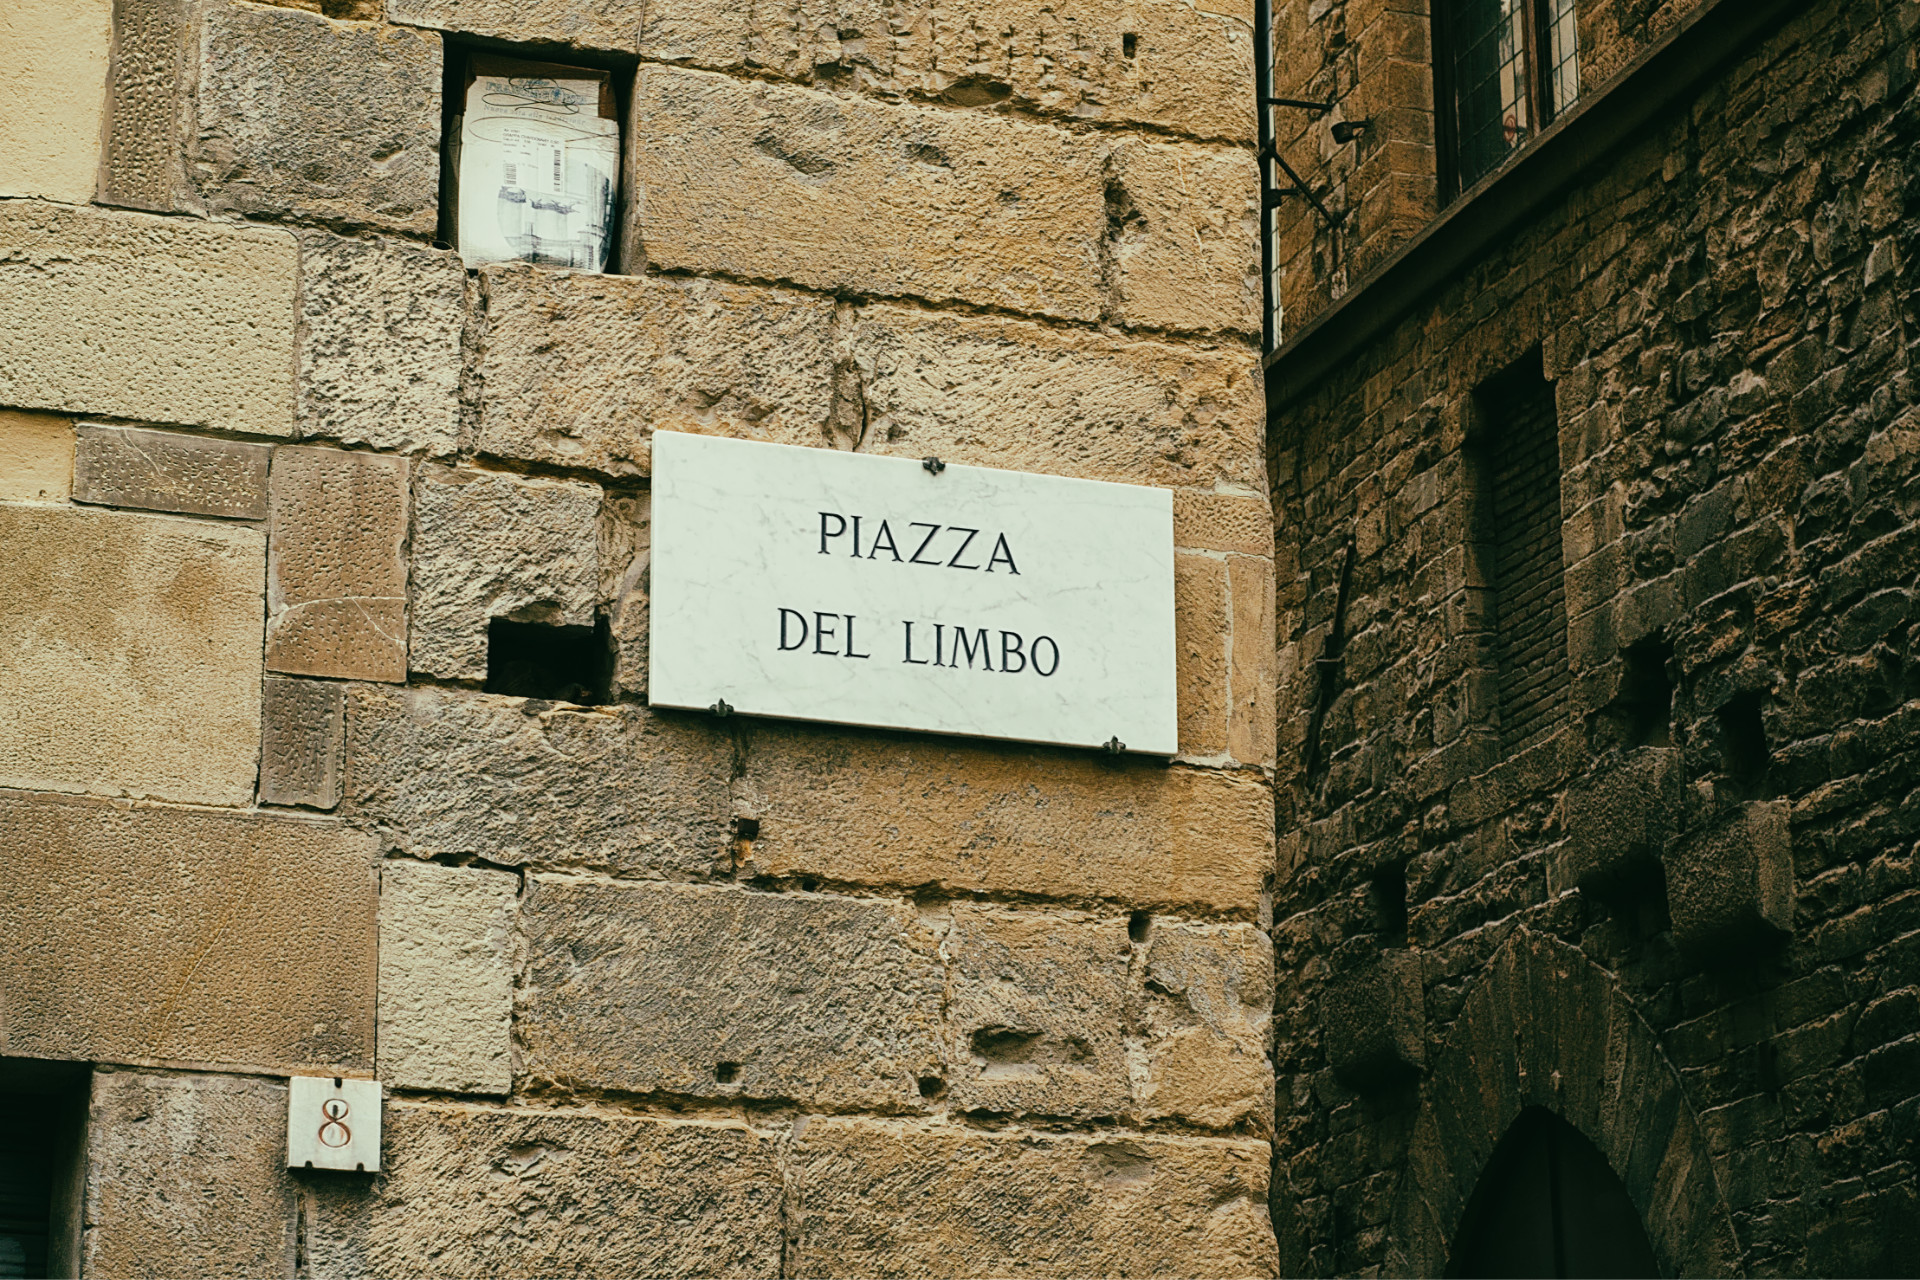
[(538, 171)]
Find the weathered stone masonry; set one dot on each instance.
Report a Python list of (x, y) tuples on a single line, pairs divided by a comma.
[(1684, 919), (648, 992)]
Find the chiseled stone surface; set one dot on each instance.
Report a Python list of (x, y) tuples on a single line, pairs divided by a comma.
[(302, 728), (1251, 662), (1038, 1011), (56, 101), (169, 471), (626, 553), (336, 573), (580, 370), (160, 319), (36, 457), (1207, 1016), (187, 1175), (1203, 637), (723, 992), (878, 1198), (155, 45), (515, 781), (186, 935), (1011, 393), (612, 25), (1205, 521), (469, 1191), (488, 544), (272, 138), (894, 200), (1166, 63), (446, 977), (133, 654), (381, 320), (902, 811), (1185, 238)]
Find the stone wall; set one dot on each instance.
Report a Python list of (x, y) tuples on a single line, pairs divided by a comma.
[(1685, 919), (648, 991)]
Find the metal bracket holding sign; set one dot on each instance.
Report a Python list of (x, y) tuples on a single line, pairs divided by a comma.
[(814, 584)]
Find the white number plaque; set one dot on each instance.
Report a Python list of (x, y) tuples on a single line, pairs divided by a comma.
[(849, 588)]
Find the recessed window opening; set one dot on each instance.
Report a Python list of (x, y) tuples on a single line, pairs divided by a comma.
[(559, 664), (1743, 743), (1388, 893), (1505, 69), (42, 1165), (1646, 694)]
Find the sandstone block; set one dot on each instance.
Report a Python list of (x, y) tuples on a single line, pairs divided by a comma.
[(1185, 237), (1008, 393), (1159, 62), (1205, 521), (1373, 1022), (56, 103), (186, 1174), (1038, 1012), (613, 25), (1203, 639), (302, 727), (875, 809), (160, 319), (874, 1198), (1208, 1010), (580, 370), (618, 788), (491, 545), (471, 1191), (271, 137), (36, 457), (1252, 661), (380, 342), (626, 545), (446, 977), (1730, 887), (1621, 819), (720, 992), (133, 654), (976, 208), (156, 50), (168, 471), (185, 935), (336, 575)]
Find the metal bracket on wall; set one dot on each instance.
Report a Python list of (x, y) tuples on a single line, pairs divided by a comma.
[(1302, 103), (1299, 187)]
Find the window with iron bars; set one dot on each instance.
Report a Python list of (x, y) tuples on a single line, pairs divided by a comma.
[(1504, 70)]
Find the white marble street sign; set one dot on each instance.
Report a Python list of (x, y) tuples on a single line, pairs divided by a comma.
[(820, 585)]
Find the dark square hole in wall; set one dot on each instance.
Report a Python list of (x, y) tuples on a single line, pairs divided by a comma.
[(1388, 892), (1743, 744), (1643, 710), (559, 664)]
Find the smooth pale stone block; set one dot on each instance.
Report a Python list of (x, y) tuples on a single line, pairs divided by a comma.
[(446, 977), (36, 456), (56, 100)]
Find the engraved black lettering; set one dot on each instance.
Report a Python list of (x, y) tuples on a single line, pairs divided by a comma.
[(1053, 648), (823, 631), (1012, 647), (826, 533), (884, 538), (931, 530), (938, 629), (1001, 552), (797, 617), (918, 662), (856, 537), (850, 652), (972, 643), (971, 534)]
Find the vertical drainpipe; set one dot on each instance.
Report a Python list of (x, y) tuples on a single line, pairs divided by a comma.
[(1263, 89)]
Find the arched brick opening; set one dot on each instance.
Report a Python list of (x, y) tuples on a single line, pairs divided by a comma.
[(1547, 1027)]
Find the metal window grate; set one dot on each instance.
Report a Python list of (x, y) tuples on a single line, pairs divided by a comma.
[(1512, 66)]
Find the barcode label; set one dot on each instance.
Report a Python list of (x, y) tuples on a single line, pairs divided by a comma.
[(510, 175)]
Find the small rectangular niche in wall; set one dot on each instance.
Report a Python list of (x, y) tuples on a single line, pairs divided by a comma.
[(42, 1167), (557, 664), (532, 163)]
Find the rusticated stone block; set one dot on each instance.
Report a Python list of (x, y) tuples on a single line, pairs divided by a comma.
[(721, 992), (626, 552), (1203, 637), (186, 935), (1622, 818), (1185, 237), (187, 1174), (50, 132), (874, 1198), (158, 319), (876, 809), (1010, 393), (381, 322), (132, 648), (1038, 1013), (1209, 1004), (36, 457), (168, 471), (1205, 521), (581, 369), (155, 48), (1250, 674), (336, 577), (446, 977), (272, 138), (1373, 1022), (1730, 886), (491, 545), (1023, 201), (613, 25), (302, 723), (469, 1191), (617, 788)]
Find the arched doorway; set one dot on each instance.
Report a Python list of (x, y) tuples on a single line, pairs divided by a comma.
[(1548, 1204)]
